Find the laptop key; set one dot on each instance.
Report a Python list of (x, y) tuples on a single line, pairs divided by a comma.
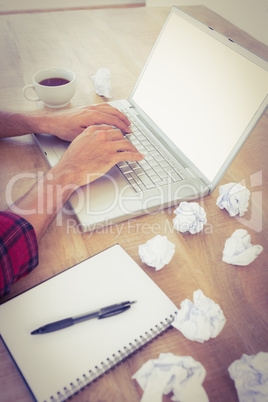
[(149, 171), (121, 164), (125, 169), (163, 174), (130, 136), (140, 148), (136, 178), (144, 164), (133, 165), (153, 163), (144, 141), (150, 148), (139, 171), (155, 179), (136, 188), (174, 176), (147, 181), (163, 163), (154, 170)]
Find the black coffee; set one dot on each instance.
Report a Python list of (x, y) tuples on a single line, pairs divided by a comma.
[(54, 82)]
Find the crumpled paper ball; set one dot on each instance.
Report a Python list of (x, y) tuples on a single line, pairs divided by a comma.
[(199, 320), (157, 252), (102, 82), (191, 217), (238, 250), (181, 375), (234, 198), (250, 375)]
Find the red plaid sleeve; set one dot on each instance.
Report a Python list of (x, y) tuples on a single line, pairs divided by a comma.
[(18, 249)]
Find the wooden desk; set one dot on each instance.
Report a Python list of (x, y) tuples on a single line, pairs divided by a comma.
[(121, 40)]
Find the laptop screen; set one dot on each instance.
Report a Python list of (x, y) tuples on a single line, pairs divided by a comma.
[(200, 93)]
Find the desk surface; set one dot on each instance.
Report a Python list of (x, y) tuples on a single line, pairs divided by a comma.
[(121, 39)]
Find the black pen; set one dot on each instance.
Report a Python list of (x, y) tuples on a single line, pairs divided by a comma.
[(104, 312)]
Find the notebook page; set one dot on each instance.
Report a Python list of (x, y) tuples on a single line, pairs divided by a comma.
[(52, 361)]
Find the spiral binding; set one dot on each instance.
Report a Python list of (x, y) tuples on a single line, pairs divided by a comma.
[(107, 365)]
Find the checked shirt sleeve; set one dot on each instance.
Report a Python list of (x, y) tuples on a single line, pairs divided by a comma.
[(18, 249)]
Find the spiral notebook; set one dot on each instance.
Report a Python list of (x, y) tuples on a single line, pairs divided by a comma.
[(57, 365)]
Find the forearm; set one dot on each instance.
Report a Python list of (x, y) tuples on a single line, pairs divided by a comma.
[(45, 199), (16, 124), (65, 124)]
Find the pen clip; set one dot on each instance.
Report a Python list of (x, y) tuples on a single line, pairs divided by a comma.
[(107, 314)]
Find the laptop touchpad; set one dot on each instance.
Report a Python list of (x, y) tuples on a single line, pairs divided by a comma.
[(103, 194)]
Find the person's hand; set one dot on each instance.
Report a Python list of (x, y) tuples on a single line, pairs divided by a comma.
[(69, 124), (89, 156), (94, 152)]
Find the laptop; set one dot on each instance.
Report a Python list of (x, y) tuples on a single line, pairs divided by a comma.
[(195, 103)]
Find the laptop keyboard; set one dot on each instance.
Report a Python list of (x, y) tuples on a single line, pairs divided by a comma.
[(154, 170)]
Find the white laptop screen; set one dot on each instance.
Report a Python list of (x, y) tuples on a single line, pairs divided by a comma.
[(200, 93)]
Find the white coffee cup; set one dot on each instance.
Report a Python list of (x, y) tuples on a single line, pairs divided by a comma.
[(53, 86)]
